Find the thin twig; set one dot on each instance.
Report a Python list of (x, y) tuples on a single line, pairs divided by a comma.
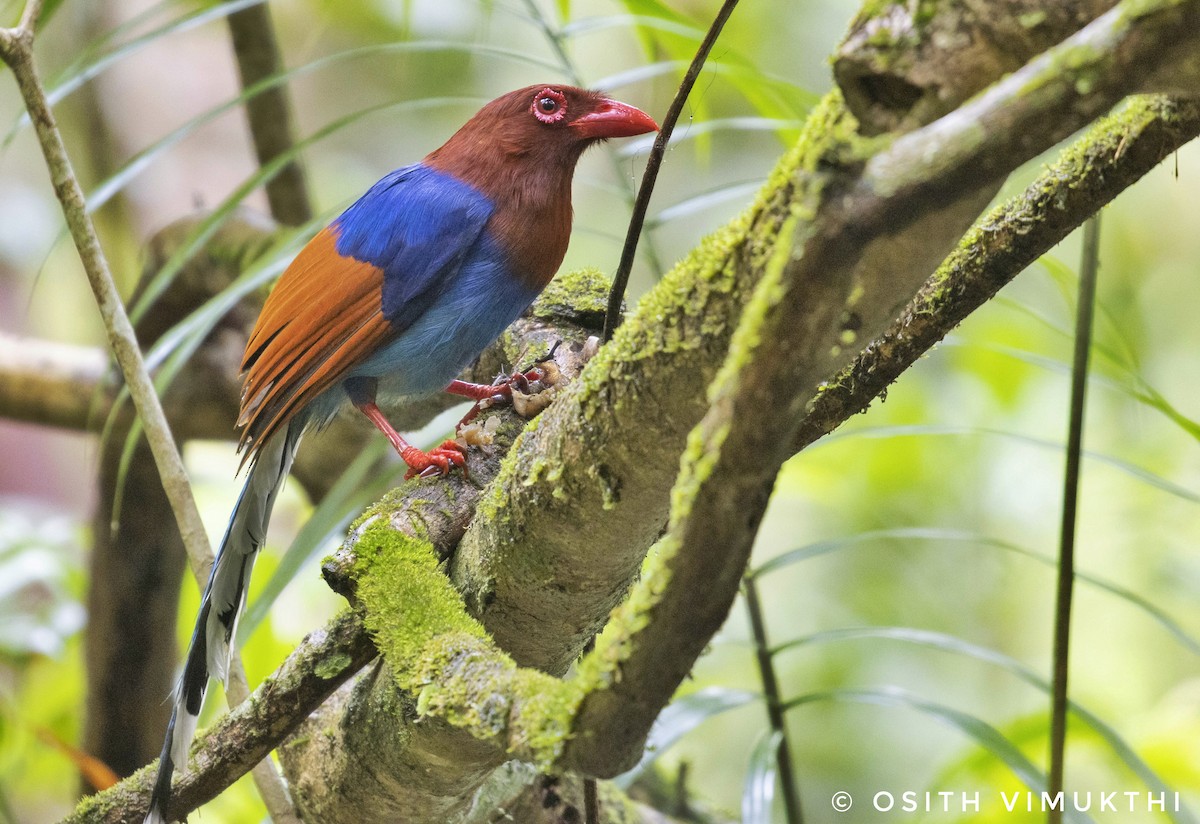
[(1066, 558), (591, 802), (770, 682), (16, 48), (612, 318)]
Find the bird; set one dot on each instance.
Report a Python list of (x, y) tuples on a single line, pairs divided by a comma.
[(391, 301)]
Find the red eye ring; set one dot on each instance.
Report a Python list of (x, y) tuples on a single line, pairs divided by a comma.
[(549, 105)]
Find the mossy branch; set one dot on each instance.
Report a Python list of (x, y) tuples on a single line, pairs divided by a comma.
[(795, 330), (244, 737), (795, 333), (1114, 154)]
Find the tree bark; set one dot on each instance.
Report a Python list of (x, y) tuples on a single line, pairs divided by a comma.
[(837, 245)]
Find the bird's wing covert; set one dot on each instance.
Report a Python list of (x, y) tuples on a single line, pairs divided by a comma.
[(358, 285)]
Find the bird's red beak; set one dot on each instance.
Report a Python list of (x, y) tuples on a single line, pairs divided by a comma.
[(613, 119)]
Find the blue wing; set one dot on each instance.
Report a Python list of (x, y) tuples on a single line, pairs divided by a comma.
[(417, 225)]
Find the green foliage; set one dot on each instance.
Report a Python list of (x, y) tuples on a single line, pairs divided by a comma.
[(905, 564)]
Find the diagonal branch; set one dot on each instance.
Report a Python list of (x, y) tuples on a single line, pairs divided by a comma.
[(1109, 158), (244, 737), (793, 334)]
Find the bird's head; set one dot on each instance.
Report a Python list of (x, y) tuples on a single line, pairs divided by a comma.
[(548, 125)]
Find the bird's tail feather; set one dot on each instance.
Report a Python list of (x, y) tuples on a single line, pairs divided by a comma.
[(221, 605)]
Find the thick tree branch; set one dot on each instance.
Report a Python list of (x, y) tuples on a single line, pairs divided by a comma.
[(1110, 157), (323, 661), (901, 67), (795, 330), (790, 368)]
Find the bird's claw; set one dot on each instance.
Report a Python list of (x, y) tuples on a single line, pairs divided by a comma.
[(437, 461), (526, 381)]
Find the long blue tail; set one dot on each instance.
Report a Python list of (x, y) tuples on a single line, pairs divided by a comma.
[(222, 604)]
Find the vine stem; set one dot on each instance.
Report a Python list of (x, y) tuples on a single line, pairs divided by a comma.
[(612, 318), (16, 50), (1066, 563), (770, 682)]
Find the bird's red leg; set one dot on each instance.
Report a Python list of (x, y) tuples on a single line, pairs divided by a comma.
[(486, 395), (437, 461), (490, 394)]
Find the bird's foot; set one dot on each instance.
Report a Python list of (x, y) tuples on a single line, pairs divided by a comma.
[(438, 461), (525, 382)]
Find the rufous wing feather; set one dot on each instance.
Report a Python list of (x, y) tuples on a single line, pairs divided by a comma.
[(322, 318)]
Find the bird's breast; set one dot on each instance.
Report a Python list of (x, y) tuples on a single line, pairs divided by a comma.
[(487, 295)]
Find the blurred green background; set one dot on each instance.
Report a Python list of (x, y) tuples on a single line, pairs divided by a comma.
[(936, 512)]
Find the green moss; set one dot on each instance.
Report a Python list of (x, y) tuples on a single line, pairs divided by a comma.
[(389, 502), (830, 133), (411, 608), (444, 657), (679, 313), (582, 294), (332, 666), (546, 715), (1032, 19)]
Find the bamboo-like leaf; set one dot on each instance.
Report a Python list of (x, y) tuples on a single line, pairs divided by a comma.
[(931, 430), (681, 717), (639, 145), (978, 730), (96, 60), (958, 646), (1067, 281), (1133, 386), (698, 203), (140, 161), (758, 790), (960, 536), (594, 25), (767, 94), (640, 74)]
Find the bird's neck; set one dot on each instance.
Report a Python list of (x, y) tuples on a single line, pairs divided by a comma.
[(531, 192)]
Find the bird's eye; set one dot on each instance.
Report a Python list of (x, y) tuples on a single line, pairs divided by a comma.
[(549, 105)]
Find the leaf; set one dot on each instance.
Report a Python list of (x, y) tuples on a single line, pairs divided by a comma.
[(759, 787), (961, 536), (978, 730), (958, 646), (704, 200), (140, 161), (929, 430), (95, 60), (1132, 385), (682, 716), (639, 145), (593, 25)]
